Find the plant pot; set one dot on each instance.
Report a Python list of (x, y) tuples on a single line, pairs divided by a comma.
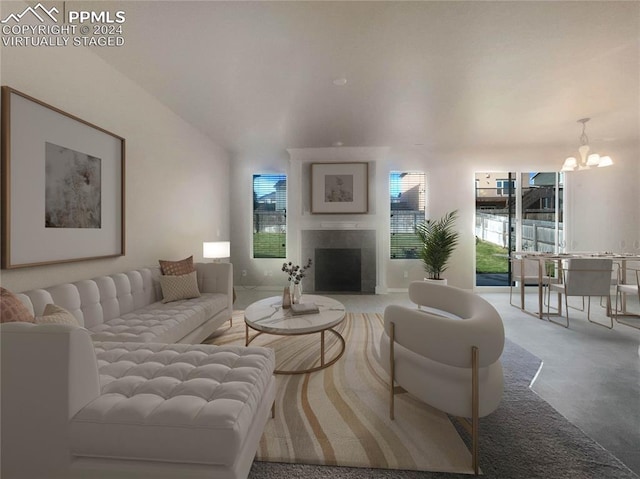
[(441, 281)]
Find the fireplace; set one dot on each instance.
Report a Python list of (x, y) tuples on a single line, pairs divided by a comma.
[(343, 260), (338, 269)]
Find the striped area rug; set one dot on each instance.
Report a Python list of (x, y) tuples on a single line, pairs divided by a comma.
[(340, 415)]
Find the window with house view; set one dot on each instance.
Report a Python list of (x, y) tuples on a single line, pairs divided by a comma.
[(407, 195), (505, 187), (269, 216)]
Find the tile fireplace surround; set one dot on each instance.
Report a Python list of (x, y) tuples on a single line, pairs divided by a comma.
[(365, 240)]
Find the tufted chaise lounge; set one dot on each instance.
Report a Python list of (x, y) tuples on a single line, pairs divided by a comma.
[(75, 408)]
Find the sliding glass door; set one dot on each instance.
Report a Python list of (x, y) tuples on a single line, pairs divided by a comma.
[(515, 212), (495, 221), (542, 212)]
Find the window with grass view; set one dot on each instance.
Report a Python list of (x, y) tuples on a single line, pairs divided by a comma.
[(269, 216), (407, 194)]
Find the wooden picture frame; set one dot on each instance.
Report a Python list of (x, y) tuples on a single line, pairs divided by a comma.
[(63, 186), (339, 188)]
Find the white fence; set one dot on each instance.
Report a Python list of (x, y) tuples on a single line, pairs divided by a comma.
[(405, 221), (536, 235)]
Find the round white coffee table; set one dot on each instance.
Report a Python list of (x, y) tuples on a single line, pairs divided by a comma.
[(268, 316)]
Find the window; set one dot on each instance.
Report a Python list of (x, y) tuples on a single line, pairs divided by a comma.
[(505, 187), (407, 195), (269, 216)]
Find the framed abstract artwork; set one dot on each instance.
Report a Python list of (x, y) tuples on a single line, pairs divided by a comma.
[(62, 186), (339, 188)]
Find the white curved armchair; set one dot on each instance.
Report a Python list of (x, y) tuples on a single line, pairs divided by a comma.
[(450, 358)]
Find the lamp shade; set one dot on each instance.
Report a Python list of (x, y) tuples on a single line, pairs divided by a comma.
[(570, 164), (593, 159), (216, 249), (605, 161)]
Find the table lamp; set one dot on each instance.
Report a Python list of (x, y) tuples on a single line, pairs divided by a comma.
[(216, 249)]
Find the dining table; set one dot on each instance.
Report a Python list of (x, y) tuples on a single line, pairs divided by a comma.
[(543, 258)]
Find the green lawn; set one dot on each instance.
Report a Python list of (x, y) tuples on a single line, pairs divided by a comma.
[(486, 259), (269, 245), (273, 245), (405, 245)]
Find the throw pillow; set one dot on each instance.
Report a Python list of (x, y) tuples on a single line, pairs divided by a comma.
[(12, 309), (177, 268), (55, 314), (179, 287)]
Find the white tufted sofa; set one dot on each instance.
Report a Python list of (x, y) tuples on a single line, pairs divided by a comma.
[(127, 306), (72, 408), (113, 399)]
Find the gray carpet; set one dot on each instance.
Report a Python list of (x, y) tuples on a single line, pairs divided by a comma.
[(524, 438)]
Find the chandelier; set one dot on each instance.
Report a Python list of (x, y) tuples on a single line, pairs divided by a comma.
[(587, 161)]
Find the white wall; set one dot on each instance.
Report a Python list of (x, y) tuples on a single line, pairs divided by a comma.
[(243, 167), (604, 213), (177, 189), (602, 204)]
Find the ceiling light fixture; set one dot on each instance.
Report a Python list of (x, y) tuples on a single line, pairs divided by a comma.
[(587, 161), (340, 81)]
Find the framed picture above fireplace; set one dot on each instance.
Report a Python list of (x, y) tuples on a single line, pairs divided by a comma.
[(339, 188)]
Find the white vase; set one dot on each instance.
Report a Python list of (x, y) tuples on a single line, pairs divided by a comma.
[(296, 293)]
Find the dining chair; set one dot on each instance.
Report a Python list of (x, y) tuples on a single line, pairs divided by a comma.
[(583, 277), (624, 288), (531, 272), (615, 279)]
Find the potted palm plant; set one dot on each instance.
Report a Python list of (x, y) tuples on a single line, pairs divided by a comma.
[(439, 239)]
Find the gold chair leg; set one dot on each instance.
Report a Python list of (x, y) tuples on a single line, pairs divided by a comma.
[(610, 314), (619, 309), (624, 313), (472, 424), (475, 410), (393, 390), (566, 307), (521, 292), (626, 323), (392, 369), (578, 309)]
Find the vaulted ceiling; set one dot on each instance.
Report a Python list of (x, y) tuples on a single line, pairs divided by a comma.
[(443, 74)]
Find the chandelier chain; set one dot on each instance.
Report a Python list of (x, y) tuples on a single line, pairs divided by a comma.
[(584, 139)]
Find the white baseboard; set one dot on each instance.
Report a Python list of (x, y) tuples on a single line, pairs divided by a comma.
[(397, 290)]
